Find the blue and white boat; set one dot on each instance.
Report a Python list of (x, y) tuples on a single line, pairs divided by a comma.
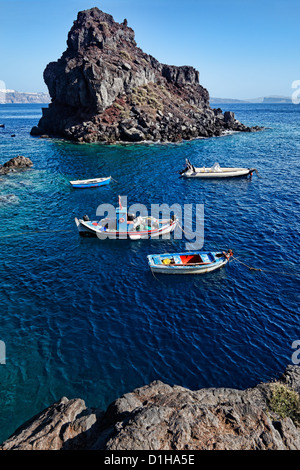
[(91, 183), (192, 262)]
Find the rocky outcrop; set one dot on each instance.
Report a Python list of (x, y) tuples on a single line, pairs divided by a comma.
[(161, 417), (105, 88), (14, 164)]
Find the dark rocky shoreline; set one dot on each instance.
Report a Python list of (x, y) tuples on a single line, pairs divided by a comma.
[(162, 417), (106, 89)]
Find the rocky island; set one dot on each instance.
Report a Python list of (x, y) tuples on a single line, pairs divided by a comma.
[(163, 417), (106, 89)]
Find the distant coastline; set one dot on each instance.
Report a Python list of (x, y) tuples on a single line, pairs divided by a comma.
[(16, 97), (264, 99)]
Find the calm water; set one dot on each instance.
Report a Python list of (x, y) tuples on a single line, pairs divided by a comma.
[(86, 318)]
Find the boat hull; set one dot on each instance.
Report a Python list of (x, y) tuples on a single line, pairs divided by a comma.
[(223, 173), (156, 263), (87, 229), (90, 183)]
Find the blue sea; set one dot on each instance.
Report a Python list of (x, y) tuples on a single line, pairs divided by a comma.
[(85, 318)]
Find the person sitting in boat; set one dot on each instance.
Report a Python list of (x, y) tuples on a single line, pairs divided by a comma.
[(130, 219), (189, 165)]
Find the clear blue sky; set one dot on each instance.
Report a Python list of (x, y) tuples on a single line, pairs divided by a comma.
[(242, 48)]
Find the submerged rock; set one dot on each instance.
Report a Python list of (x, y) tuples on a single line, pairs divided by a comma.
[(8, 199), (14, 164), (105, 88), (162, 417)]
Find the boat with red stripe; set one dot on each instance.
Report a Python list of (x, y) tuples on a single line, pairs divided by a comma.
[(124, 226)]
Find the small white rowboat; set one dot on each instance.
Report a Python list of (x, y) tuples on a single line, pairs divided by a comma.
[(91, 183)]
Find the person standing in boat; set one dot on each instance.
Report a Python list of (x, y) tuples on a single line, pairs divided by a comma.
[(129, 217)]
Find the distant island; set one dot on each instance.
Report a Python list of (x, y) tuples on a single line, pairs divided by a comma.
[(12, 96), (264, 99)]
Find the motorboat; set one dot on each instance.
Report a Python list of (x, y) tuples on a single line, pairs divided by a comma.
[(190, 171)]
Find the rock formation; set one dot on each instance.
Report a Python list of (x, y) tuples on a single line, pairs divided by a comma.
[(161, 417), (14, 164), (105, 88)]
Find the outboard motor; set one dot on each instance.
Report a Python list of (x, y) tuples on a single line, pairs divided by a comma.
[(86, 218)]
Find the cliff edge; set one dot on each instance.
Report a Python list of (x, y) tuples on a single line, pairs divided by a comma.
[(105, 88), (162, 417)]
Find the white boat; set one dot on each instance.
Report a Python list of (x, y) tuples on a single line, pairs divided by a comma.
[(142, 228), (125, 226), (192, 262), (215, 171), (91, 183)]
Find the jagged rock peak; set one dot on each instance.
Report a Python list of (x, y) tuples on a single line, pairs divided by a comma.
[(93, 27)]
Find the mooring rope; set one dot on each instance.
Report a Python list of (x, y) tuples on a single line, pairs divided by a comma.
[(34, 231), (256, 171), (251, 268), (184, 231)]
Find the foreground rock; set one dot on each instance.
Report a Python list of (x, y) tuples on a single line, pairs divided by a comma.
[(105, 88), (161, 417), (15, 163)]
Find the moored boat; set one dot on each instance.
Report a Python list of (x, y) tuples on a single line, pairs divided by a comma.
[(190, 171), (91, 183), (192, 262), (124, 225)]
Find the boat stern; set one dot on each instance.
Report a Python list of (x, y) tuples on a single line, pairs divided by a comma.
[(83, 231)]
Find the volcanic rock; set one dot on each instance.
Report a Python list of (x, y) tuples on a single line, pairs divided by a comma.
[(105, 88), (14, 164), (163, 417)]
